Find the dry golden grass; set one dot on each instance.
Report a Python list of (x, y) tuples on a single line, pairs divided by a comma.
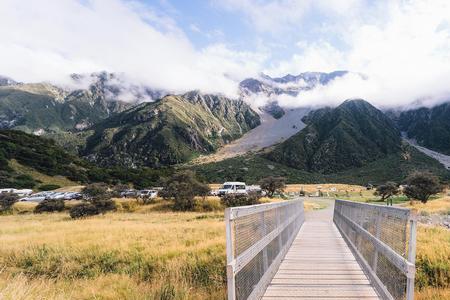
[(72, 188), (433, 294), (329, 187), (149, 253), (438, 206), (109, 256), (433, 257)]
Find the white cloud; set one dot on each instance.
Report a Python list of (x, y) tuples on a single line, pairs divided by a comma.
[(402, 46), (279, 15), (405, 54), (49, 39)]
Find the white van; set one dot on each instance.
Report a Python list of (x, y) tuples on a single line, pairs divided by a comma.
[(233, 187), (20, 193)]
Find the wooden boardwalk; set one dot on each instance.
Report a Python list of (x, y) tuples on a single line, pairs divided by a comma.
[(319, 265)]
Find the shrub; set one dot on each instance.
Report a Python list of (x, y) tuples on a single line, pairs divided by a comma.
[(48, 187), (83, 210), (7, 201), (182, 188), (232, 200), (96, 190), (49, 205), (99, 196)]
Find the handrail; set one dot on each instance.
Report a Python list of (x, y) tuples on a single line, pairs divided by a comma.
[(258, 237), (375, 232)]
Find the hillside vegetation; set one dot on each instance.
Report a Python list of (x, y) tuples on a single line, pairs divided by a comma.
[(45, 108), (169, 131), (27, 161), (21, 152), (348, 136), (252, 168), (429, 126)]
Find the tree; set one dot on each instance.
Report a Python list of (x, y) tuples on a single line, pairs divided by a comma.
[(7, 201), (97, 201), (386, 191), (422, 185), (182, 188), (271, 185), (99, 195), (49, 205)]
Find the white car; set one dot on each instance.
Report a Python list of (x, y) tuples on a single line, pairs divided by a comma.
[(38, 197), (148, 193), (233, 187), (72, 196), (57, 196)]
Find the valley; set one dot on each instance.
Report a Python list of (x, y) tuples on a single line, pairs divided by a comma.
[(271, 132), (442, 158), (148, 246)]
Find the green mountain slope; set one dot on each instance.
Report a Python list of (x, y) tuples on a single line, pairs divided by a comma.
[(44, 108), (430, 127), (38, 154), (394, 167), (169, 131), (348, 136), (27, 161)]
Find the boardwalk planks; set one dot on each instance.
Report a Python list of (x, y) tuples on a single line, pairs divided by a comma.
[(319, 265)]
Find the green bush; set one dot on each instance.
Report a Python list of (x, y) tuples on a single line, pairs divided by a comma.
[(99, 195), (48, 187), (7, 201), (182, 188), (83, 210), (232, 200), (49, 205)]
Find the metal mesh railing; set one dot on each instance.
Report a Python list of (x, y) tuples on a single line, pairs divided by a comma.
[(382, 243), (258, 238)]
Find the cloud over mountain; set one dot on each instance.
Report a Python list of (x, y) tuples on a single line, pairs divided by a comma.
[(48, 40), (401, 46)]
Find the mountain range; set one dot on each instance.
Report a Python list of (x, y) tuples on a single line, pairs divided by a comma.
[(110, 122)]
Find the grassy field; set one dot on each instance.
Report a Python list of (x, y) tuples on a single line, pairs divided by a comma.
[(141, 255), (148, 252)]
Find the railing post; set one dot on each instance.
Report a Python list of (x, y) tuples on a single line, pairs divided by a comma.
[(230, 256), (411, 256)]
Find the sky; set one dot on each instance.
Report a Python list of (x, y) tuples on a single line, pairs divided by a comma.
[(402, 47)]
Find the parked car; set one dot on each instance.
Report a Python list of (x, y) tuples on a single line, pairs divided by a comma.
[(73, 196), (57, 196), (38, 197), (129, 193), (232, 188), (147, 193)]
